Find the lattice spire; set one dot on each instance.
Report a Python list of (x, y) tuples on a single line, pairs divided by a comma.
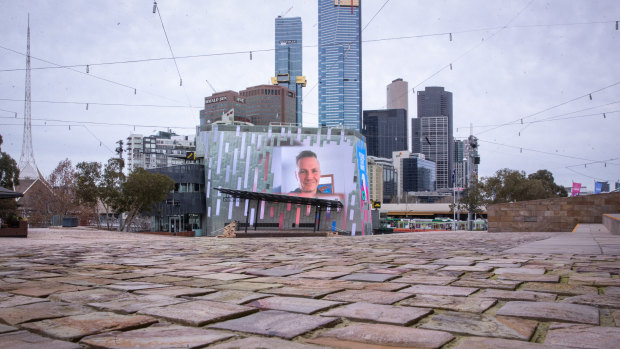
[(27, 166)]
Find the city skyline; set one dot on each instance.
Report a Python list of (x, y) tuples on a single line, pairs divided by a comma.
[(537, 81)]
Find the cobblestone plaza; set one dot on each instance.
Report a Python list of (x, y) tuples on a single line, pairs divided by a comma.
[(82, 288)]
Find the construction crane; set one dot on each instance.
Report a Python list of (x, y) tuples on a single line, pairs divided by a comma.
[(214, 91), (287, 11)]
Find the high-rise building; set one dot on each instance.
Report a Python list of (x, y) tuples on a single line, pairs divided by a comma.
[(418, 174), (385, 131), (259, 105), (340, 63), (160, 150), (432, 132), (397, 97), (288, 58)]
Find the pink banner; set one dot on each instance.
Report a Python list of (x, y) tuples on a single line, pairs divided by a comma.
[(576, 189)]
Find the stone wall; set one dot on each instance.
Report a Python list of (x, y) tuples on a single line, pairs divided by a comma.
[(551, 215)]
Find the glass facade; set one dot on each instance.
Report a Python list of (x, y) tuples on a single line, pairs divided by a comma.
[(288, 57), (418, 175), (340, 63), (385, 131), (435, 103)]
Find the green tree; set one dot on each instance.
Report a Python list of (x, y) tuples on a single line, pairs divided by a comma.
[(62, 183), (9, 172), (110, 189), (511, 185), (88, 179), (142, 191), (9, 178), (546, 180), (473, 198)]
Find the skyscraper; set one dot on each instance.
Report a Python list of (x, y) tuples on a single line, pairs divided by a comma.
[(385, 131), (397, 97), (432, 132), (288, 60), (340, 63)]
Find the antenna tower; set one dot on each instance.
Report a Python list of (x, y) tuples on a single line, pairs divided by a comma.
[(27, 166)]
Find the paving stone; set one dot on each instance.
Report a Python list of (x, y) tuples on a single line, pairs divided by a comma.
[(426, 279), (232, 296), (388, 314), (277, 271), (247, 286), (381, 336), (377, 297), (482, 325), (196, 282), (385, 286), (133, 285), (198, 313), (77, 326), (225, 276), (454, 261), (302, 291), (44, 291), (440, 290), (176, 291), (612, 291), (28, 340), (131, 303), (318, 274), (369, 277), (276, 323), (13, 301), (560, 289), (7, 328), (530, 278), (603, 301), (263, 342), (499, 343), (516, 295), (551, 311), (616, 316), (89, 281), (160, 279), (468, 268), (293, 304), (157, 336), (88, 296), (593, 280), (487, 283), (38, 311), (583, 336), (467, 304), (522, 270)]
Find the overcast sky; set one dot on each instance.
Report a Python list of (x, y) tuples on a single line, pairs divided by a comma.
[(553, 63)]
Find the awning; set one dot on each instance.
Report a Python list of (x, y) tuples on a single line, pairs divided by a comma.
[(9, 194), (243, 194)]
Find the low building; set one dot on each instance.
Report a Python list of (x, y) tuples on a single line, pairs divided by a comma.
[(160, 150)]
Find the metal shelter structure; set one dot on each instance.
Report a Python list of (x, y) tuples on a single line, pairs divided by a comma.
[(317, 203)]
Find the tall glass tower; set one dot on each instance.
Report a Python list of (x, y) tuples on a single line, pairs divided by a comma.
[(340, 63), (289, 58)]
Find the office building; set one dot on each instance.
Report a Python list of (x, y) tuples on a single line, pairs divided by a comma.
[(340, 63), (418, 174), (397, 96), (375, 180), (288, 59), (268, 104), (259, 105), (385, 131), (159, 150), (432, 132), (389, 187)]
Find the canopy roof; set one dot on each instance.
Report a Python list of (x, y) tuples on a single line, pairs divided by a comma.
[(9, 194), (243, 194)]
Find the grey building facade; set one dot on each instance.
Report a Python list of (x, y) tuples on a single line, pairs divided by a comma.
[(385, 131)]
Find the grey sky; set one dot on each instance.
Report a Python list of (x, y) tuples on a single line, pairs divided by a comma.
[(532, 59)]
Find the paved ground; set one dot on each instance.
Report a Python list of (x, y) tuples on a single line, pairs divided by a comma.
[(77, 288)]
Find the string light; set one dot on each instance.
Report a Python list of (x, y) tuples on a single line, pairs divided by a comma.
[(86, 106), (154, 6), (450, 36), (87, 69), (250, 55), (590, 96)]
